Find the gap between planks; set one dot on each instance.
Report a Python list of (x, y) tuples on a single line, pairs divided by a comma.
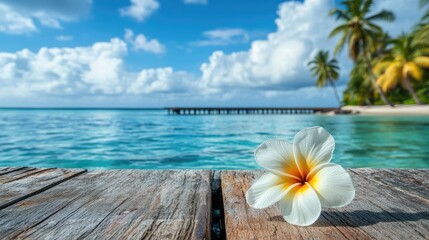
[(9, 170), (217, 211)]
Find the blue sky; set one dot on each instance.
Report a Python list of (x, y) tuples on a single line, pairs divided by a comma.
[(155, 53)]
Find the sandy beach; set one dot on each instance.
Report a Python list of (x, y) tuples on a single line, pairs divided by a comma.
[(387, 110)]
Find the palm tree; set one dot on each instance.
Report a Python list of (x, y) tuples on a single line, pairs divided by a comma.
[(404, 62), (359, 32), (325, 70)]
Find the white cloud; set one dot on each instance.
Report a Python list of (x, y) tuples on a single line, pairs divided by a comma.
[(161, 80), (97, 69), (274, 68), (196, 1), (48, 21), (12, 22), (280, 61), (140, 42), (17, 16), (64, 38), (222, 37), (140, 9)]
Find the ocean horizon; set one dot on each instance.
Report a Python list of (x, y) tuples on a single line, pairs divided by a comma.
[(115, 138)]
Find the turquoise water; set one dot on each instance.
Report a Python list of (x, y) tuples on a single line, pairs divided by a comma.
[(151, 139)]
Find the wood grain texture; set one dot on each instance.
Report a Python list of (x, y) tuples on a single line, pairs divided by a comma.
[(412, 181), (5, 170), (121, 204), (21, 183), (382, 209)]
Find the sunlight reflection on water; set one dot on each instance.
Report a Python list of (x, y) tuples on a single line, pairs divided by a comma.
[(153, 140)]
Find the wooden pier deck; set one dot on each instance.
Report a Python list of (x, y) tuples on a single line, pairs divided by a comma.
[(244, 110), (136, 204)]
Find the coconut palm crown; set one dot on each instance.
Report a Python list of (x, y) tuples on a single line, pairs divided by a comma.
[(405, 61), (360, 33), (358, 29), (326, 71)]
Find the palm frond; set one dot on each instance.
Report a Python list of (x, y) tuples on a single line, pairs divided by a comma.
[(333, 62), (340, 29), (374, 29), (413, 70), (355, 45), (384, 15), (334, 66), (393, 75), (341, 43), (389, 83), (339, 14), (323, 68), (426, 16), (311, 62), (334, 75), (422, 33), (422, 61), (423, 52), (380, 67), (366, 6)]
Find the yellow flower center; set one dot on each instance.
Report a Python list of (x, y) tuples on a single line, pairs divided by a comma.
[(299, 175)]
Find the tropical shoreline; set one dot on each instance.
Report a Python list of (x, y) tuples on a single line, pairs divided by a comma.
[(387, 110)]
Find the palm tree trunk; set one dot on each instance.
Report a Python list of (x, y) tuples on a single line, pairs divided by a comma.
[(368, 102), (407, 85), (335, 91), (373, 79)]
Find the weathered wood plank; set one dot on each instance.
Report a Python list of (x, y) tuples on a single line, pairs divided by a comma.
[(379, 210), (409, 211), (25, 182), (125, 204), (412, 181), (5, 170), (19, 173), (243, 222), (383, 211)]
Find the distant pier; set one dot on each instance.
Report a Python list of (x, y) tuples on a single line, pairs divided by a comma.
[(244, 110)]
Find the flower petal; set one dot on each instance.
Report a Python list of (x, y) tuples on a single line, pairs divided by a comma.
[(277, 157), (311, 147), (301, 206), (267, 190), (332, 184)]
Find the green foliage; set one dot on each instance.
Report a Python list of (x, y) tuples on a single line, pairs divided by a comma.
[(360, 90), (360, 33), (325, 70), (357, 29), (357, 92), (404, 61), (369, 46)]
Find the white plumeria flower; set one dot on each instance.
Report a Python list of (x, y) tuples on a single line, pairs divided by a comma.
[(300, 177)]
